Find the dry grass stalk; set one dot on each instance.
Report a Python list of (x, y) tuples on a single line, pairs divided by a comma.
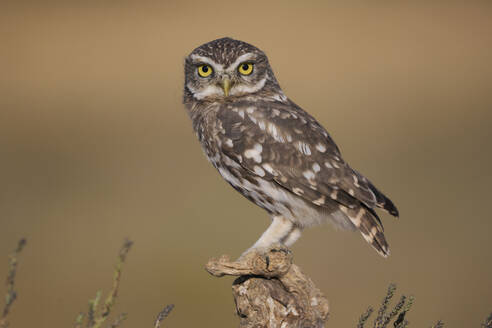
[(95, 317), (162, 315), (11, 294), (384, 317)]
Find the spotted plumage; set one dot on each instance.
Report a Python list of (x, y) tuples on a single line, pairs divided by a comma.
[(271, 150)]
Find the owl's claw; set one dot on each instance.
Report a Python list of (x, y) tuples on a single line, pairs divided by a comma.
[(264, 251), (279, 248)]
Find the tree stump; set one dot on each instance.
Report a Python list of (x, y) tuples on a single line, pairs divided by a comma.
[(271, 291)]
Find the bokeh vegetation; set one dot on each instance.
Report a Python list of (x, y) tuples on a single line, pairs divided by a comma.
[(96, 315)]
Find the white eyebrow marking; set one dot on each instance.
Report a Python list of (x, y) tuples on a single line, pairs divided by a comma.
[(206, 60), (241, 59)]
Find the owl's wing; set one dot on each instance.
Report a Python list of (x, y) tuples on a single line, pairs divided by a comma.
[(282, 143)]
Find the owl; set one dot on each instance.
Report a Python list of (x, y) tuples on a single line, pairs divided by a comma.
[(272, 151)]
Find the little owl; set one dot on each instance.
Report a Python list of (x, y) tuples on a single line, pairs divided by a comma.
[(272, 151)]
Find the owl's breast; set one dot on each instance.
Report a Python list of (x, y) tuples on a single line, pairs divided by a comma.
[(272, 197)]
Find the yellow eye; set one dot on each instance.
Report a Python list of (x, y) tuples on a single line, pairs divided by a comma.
[(245, 68), (205, 70)]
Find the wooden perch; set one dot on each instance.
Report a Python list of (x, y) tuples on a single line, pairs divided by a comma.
[(271, 292)]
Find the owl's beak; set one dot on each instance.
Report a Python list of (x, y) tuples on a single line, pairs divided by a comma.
[(226, 85)]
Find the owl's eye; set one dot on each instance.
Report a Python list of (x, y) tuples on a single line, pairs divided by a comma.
[(205, 70), (245, 68)]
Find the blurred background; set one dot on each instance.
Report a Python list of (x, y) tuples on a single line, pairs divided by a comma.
[(95, 146)]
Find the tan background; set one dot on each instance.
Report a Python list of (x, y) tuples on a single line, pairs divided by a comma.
[(95, 146)]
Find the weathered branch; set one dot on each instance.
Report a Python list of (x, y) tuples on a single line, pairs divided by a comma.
[(272, 292)]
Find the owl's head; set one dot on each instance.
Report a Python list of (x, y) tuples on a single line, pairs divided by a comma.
[(227, 68)]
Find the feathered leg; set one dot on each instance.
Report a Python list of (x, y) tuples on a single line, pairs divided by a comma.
[(292, 237), (278, 231)]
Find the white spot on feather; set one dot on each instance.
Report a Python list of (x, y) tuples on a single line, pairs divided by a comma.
[(319, 201), (259, 171), (316, 167), (254, 153), (269, 169), (308, 174), (298, 191), (321, 148), (274, 132), (357, 219), (280, 97), (304, 148)]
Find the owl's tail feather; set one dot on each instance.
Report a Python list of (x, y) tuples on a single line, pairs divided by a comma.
[(383, 201), (369, 227)]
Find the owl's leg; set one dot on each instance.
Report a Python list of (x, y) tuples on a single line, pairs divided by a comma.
[(276, 233), (292, 237)]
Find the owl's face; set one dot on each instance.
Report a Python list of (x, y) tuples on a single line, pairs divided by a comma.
[(226, 68)]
